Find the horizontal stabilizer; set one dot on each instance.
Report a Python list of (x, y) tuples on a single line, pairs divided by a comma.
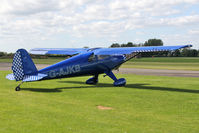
[(28, 78), (10, 76)]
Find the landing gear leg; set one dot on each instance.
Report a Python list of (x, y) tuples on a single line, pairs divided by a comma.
[(117, 82), (93, 80), (18, 87)]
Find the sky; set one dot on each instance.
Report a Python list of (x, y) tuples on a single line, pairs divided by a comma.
[(96, 23)]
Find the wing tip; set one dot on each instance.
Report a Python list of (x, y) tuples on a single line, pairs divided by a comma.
[(10, 76)]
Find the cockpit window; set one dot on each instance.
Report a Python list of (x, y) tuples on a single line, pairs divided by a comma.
[(100, 57), (97, 57)]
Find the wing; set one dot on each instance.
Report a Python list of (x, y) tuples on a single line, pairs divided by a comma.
[(59, 51), (130, 50), (105, 51)]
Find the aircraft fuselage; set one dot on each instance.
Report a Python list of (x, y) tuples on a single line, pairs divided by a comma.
[(83, 64)]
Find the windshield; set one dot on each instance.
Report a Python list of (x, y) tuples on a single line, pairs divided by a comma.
[(92, 58)]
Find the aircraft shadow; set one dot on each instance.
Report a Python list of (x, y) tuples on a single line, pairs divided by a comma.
[(100, 85), (41, 90)]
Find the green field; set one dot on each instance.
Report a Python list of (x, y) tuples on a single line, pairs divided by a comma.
[(173, 63), (148, 104)]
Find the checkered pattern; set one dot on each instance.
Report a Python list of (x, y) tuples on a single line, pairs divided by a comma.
[(10, 77), (151, 50), (17, 66)]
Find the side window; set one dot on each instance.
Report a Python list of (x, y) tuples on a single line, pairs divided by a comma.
[(100, 57), (92, 58)]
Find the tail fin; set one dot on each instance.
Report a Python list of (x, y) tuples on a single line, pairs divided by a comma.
[(23, 68), (23, 65)]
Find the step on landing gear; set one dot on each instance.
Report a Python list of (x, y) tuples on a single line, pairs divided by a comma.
[(18, 87)]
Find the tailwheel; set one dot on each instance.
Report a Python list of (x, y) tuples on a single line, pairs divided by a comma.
[(17, 88)]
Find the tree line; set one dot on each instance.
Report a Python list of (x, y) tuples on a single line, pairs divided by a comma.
[(4, 55)]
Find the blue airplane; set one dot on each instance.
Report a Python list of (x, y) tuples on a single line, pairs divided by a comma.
[(84, 61)]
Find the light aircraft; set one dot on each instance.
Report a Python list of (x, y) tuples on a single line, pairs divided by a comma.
[(86, 61)]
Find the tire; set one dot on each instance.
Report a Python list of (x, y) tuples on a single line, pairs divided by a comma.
[(17, 88)]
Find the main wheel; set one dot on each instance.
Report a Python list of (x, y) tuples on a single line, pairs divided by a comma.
[(92, 81), (120, 82), (17, 88)]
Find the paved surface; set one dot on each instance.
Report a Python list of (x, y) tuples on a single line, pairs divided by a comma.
[(158, 72), (7, 66)]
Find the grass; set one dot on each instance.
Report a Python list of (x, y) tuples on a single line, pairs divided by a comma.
[(152, 104), (172, 63)]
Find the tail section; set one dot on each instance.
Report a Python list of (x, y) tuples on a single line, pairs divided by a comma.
[(24, 68), (22, 65)]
